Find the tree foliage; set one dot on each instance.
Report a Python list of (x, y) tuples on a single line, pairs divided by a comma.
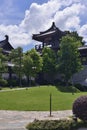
[(16, 58), (3, 59), (3, 66), (49, 60), (76, 36), (69, 57), (32, 63)]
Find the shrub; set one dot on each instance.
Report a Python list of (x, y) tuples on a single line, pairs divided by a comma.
[(56, 125), (3, 82), (12, 82), (70, 89), (81, 87), (80, 108), (50, 125)]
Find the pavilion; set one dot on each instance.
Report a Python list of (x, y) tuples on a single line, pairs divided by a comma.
[(51, 38)]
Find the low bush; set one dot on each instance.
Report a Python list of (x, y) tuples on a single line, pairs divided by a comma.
[(80, 107), (3, 82), (55, 125), (81, 87), (69, 89)]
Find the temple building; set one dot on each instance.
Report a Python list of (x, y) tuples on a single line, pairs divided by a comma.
[(51, 38), (83, 54)]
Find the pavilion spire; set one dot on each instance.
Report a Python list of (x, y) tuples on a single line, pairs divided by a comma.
[(7, 38)]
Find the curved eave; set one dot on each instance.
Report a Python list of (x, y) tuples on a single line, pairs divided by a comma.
[(5, 51), (82, 48), (41, 37)]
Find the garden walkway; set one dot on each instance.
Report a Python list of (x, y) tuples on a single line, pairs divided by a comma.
[(17, 120)]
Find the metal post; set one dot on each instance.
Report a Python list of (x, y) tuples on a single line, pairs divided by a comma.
[(50, 104)]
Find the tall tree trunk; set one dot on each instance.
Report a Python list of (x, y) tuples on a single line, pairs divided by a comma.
[(10, 76), (28, 82)]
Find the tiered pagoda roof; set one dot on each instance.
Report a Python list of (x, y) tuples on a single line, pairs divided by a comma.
[(51, 36), (5, 45), (50, 32)]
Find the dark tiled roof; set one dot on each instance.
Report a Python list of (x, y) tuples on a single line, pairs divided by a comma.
[(5, 45), (51, 31), (52, 28)]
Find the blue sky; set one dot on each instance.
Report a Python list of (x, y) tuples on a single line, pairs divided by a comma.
[(12, 11), (21, 18)]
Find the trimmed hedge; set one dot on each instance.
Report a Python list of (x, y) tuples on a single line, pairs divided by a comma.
[(80, 107), (55, 125)]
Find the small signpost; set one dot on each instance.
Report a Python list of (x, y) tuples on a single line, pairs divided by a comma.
[(50, 104)]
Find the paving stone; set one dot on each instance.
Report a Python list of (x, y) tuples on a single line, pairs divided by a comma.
[(17, 120)]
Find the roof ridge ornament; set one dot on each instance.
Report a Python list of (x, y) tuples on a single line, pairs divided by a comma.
[(53, 25), (7, 37)]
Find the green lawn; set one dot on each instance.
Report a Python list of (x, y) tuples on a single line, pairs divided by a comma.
[(37, 98)]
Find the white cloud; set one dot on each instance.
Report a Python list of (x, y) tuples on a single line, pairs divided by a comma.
[(72, 22), (83, 32), (66, 14), (17, 36), (69, 18), (38, 16)]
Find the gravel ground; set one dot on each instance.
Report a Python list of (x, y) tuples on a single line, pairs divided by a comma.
[(17, 120)]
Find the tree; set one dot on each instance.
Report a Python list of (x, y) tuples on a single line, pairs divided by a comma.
[(27, 66), (32, 64), (49, 62), (3, 66), (76, 36), (69, 57), (16, 58)]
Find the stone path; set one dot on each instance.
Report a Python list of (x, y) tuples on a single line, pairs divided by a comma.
[(17, 120)]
